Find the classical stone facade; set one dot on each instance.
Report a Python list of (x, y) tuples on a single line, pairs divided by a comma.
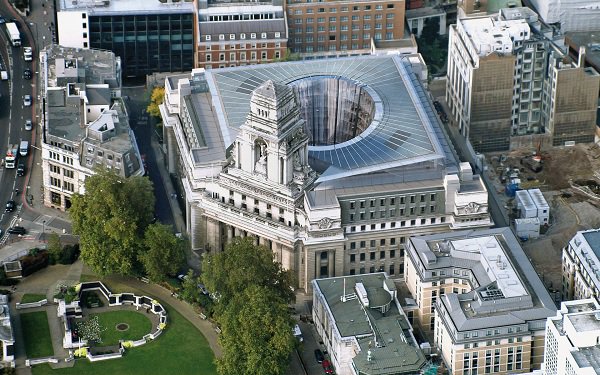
[(329, 200)]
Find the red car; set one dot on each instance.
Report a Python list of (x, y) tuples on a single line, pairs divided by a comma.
[(327, 367)]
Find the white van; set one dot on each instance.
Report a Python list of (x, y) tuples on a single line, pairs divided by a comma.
[(3, 75), (24, 148)]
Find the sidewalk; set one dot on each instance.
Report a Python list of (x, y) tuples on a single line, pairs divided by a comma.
[(193, 259)]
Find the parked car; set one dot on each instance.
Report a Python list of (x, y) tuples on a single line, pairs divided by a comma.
[(319, 356), (17, 230), (27, 101), (28, 125), (327, 367), (10, 206), (203, 289)]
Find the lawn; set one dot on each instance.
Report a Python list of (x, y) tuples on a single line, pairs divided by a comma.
[(36, 334), (180, 349), (29, 298), (139, 325)]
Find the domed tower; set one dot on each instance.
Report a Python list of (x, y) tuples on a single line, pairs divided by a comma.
[(272, 146)]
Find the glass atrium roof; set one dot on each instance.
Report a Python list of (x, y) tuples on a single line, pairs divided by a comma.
[(401, 133)]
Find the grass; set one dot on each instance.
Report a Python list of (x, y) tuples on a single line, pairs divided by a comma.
[(36, 333), (180, 349), (139, 325), (29, 298)]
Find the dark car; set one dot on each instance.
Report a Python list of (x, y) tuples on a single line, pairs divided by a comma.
[(327, 367), (21, 169), (319, 356), (27, 74), (10, 206), (17, 230)]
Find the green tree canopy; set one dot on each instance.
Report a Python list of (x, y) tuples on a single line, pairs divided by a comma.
[(256, 334), (55, 249), (110, 219), (163, 254), (252, 308), (243, 264), (156, 99)]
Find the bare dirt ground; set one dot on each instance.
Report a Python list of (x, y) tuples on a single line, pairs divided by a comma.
[(570, 209)]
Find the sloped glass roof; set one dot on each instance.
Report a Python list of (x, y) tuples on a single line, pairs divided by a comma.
[(401, 132)]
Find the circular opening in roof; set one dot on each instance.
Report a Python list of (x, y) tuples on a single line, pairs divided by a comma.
[(335, 109)]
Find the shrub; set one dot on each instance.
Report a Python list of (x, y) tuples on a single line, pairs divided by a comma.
[(70, 253), (32, 263)]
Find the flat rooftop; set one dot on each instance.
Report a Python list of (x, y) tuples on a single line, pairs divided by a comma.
[(492, 36), (588, 357), (126, 7), (505, 289), (396, 350), (590, 40)]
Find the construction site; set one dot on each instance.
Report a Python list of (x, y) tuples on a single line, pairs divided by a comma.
[(569, 179)]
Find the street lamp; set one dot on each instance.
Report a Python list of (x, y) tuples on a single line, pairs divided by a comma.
[(43, 227)]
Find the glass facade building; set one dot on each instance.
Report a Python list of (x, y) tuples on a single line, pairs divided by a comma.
[(146, 43)]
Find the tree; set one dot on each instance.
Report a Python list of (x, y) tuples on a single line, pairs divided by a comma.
[(163, 254), (430, 31), (110, 219), (156, 99), (252, 308), (55, 249), (243, 264), (189, 288), (256, 333)]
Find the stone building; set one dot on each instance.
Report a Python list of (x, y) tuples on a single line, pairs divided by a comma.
[(84, 121), (479, 295), (363, 326), (580, 262), (332, 164)]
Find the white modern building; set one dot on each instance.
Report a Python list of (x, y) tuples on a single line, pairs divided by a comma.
[(573, 340), (363, 327), (332, 164), (84, 123), (580, 266), (479, 295)]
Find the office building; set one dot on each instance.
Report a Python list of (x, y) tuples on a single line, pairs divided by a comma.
[(506, 79), (240, 33), (479, 295), (147, 35), (581, 275), (84, 121), (344, 28), (363, 327), (332, 164), (479, 8), (7, 337), (571, 15), (572, 339)]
